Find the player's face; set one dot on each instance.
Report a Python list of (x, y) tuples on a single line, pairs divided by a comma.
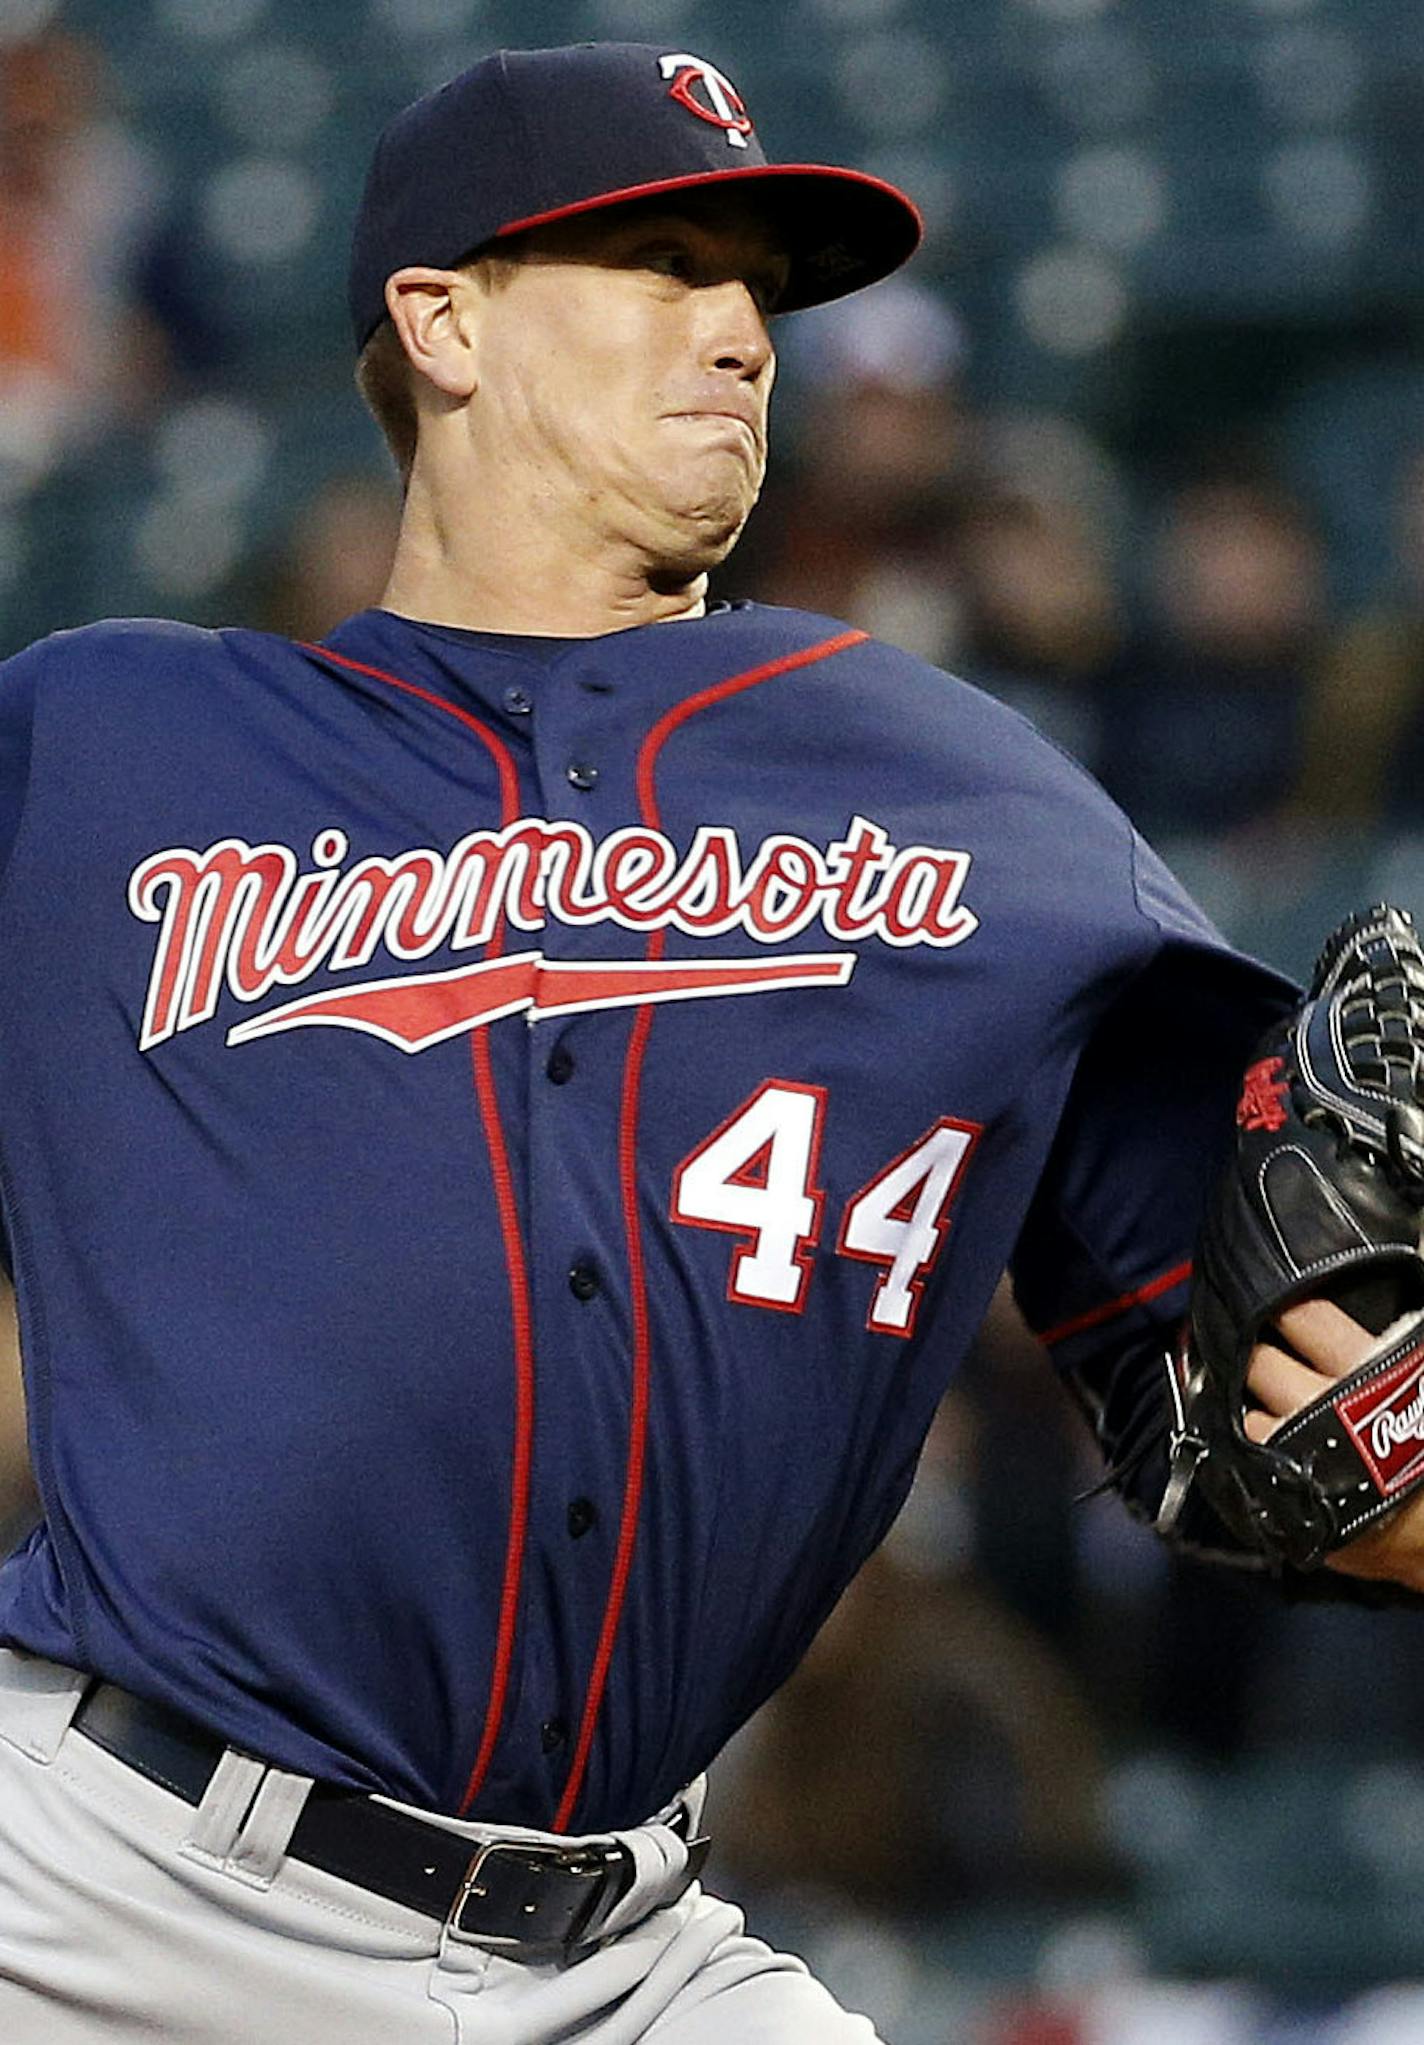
[(627, 367)]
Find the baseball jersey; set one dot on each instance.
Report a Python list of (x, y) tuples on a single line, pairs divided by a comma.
[(505, 1142)]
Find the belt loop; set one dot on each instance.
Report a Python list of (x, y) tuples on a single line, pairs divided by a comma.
[(38, 1700), (218, 1820), (262, 1843), (661, 1859), (693, 1801)]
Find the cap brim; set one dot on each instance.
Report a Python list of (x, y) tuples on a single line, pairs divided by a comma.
[(842, 229)]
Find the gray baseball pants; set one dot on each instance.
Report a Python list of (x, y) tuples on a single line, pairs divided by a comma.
[(126, 1915)]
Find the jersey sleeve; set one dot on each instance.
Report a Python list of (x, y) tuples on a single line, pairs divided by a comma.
[(1110, 1231), (1104, 1256), (77, 682)]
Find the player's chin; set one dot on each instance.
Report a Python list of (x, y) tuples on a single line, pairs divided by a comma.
[(695, 553), (708, 526)]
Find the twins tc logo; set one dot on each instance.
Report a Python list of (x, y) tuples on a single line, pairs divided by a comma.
[(708, 93)]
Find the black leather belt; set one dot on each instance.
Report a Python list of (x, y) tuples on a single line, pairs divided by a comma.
[(519, 1895)]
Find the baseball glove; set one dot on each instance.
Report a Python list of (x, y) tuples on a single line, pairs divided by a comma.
[(1322, 1195)]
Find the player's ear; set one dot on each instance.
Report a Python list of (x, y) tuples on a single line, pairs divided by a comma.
[(433, 312)]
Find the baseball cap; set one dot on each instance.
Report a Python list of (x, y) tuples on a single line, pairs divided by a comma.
[(525, 137)]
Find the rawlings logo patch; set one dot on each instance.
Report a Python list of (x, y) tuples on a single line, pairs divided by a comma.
[(1385, 1420)]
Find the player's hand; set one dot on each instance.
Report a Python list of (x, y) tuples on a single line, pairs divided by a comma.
[(1327, 1345)]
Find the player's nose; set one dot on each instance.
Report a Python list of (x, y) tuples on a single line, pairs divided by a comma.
[(735, 333)]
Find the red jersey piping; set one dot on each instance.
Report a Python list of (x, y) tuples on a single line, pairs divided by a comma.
[(627, 1172), (516, 1263)]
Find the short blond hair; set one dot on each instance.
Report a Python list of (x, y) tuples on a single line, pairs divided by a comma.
[(386, 382)]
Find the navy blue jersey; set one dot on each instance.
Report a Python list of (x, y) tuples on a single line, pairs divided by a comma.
[(505, 1144)]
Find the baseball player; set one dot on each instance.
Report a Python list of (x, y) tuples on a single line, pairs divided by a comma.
[(512, 1116)]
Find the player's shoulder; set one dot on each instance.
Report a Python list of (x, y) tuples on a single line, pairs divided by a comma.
[(113, 654), (111, 639), (772, 629), (946, 717), (868, 661)]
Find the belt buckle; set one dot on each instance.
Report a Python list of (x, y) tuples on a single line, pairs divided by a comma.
[(596, 1866)]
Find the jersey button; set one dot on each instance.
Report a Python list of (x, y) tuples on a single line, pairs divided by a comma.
[(560, 1067), (581, 775), (582, 1518), (518, 702), (584, 1282), (553, 1734)]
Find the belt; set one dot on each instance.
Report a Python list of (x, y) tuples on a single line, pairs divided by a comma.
[(524, 1896)]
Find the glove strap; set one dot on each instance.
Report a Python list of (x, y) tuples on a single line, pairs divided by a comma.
[(1361, 1446), (1185, 1447)]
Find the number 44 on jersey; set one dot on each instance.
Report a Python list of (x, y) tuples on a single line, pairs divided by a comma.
[(755, 1177)]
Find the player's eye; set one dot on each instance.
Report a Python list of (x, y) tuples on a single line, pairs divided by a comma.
[(667, 260), (766, 287)]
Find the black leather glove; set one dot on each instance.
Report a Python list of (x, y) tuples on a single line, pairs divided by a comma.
[(1322, 1196)]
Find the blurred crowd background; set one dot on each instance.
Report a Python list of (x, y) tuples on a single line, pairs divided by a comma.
[(1137, 443)]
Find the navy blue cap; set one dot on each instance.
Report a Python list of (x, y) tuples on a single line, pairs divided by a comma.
[(529, 136)]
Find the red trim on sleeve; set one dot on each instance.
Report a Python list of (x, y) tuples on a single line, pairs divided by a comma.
[(1110, 1309), (516, 1263), (627, 1171)]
